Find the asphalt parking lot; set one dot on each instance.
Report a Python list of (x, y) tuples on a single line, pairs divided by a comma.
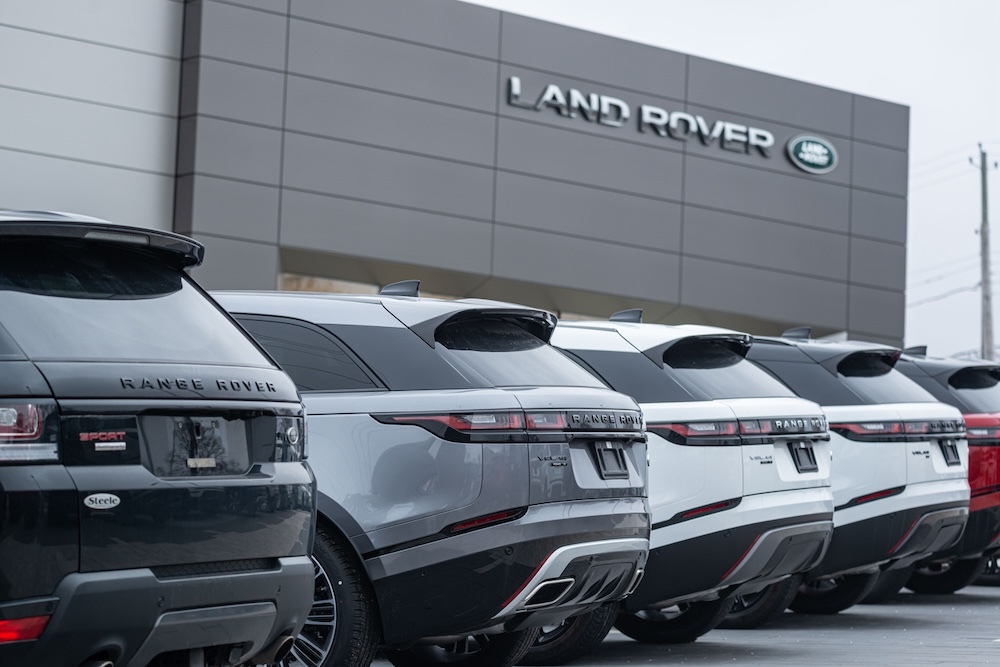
[(910, 631)]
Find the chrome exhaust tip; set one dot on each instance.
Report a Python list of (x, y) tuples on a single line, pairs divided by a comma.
[(548, 593), (97, 663), (636, 580)]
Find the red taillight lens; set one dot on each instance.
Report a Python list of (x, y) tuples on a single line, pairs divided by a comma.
[(545, 421), (871, 431), (476, 421), (699, 433), (22, 629), (983, 433), (982, 429), (22, 432)]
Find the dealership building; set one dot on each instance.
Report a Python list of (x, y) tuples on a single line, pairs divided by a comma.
[(320, 144)]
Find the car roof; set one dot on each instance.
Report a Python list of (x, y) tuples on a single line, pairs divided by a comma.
[(946, 366), (421, 314), (648, 335)]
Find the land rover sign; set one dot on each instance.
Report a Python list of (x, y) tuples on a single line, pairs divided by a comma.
[(812, 154)]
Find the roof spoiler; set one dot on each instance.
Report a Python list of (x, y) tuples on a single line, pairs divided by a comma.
[(738, 343), (916, 351), (538, 323), (180, 250)]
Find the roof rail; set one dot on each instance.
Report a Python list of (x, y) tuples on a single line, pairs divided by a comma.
[(798, 333), (402, 288), (631, 315)]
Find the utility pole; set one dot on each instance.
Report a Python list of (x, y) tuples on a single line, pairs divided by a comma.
[(984, 252)]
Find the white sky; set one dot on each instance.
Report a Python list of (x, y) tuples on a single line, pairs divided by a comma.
[(942, 59)]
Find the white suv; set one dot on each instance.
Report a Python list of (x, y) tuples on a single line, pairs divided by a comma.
[(901, 460), (739, 469)]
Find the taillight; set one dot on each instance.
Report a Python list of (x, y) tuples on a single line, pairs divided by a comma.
[(983, 429), (873, 431), (26, 433), (949, 427), (460, 426), (544, 421), (699, 433), (22, 629)]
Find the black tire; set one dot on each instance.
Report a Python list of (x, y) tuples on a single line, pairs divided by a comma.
[(501, 650), (758, 609), (946, 577), (889, 583), (833, 595), (680, 624), (342, 596), (576, 636)]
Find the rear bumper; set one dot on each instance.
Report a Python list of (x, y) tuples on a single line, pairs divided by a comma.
[(133, 615), (982, 535), (902, 536), (558, 560), (717, 564)]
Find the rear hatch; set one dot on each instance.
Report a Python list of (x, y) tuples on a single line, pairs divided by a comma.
[(585, 440), (185, 442)]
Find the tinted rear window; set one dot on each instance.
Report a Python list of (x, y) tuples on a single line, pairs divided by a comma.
[(810, 380), (90, 302), (715, 370), (979, 388), (507, 356), (871, 376), (635, 374)]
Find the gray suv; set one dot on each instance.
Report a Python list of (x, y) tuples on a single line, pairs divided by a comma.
[(474, 483)]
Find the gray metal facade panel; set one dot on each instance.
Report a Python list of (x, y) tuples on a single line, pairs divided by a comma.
[(778, 159), (346, 227), (767, 96), (751, 241), (151, 26), (555, 48), (230, 208), (881, 122), (346, 56), (234, 264), (878, 264), (761, 293), (89, 72), (243, 35), (238, 92), (533, 84), (75, 130), (577, 210), (878, 216), (140, 198), (801, 200), (588, 160), (878, 168), (379, 175), (278, 6), (345, 112), (584, 264), (446, 24), (235, 150), (876, 311)]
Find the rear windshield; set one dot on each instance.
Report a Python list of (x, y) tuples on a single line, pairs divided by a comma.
[(979, 388), (871, 376), (83, 301), (506, 355), (715, 369)]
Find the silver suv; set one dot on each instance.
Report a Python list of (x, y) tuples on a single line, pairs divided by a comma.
[(474, 483)]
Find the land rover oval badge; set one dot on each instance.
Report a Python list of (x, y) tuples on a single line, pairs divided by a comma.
[(812, 154), (102, 501)]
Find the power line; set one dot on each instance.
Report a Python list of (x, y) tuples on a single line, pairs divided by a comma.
[(940, 180), (936, 265), (945, 295), (942, 276)]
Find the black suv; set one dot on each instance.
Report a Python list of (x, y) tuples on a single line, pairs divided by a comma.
[(474, 483), (155, 507)]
